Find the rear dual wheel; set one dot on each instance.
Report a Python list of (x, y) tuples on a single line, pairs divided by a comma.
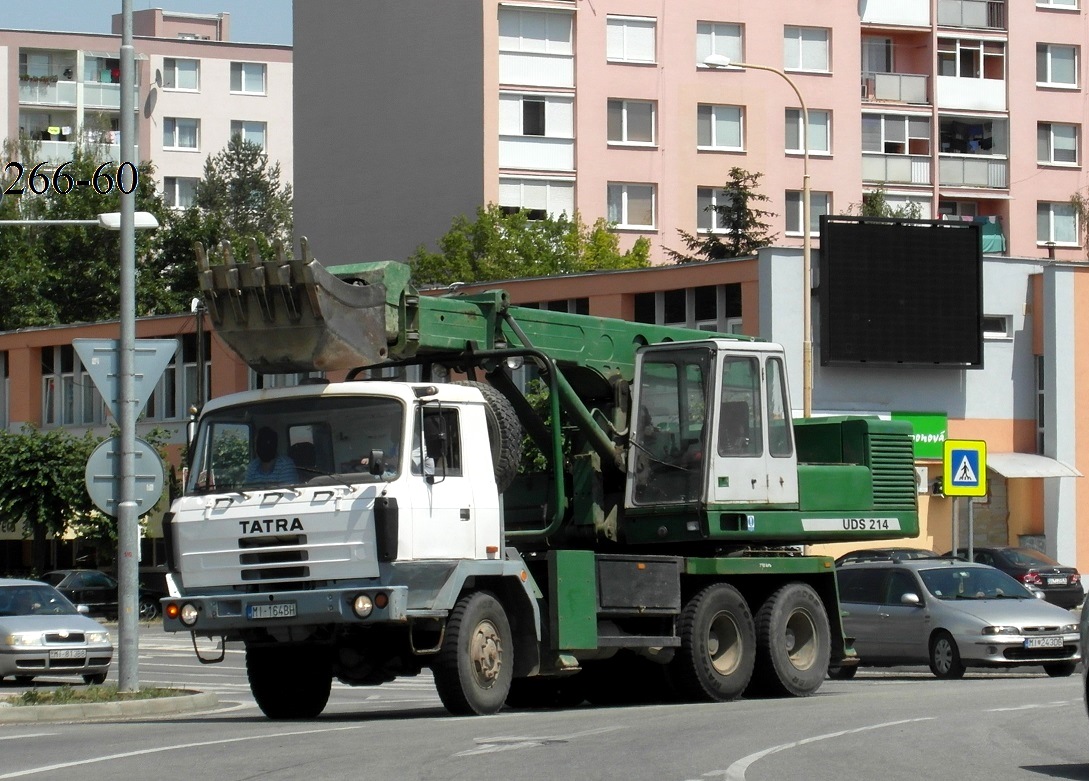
[(718, 646), (794, 642)]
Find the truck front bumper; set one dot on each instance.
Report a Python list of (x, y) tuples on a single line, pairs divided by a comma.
[(224, 614)]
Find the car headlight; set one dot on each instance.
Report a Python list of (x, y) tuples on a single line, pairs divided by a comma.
[(23, 638), (1001, 630), (1069, 628), (97, 637)]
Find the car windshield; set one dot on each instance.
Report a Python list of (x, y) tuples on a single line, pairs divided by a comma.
[(949, 583), (34, 601)]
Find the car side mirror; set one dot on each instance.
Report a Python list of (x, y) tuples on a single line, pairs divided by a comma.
[(83, 609), (911, 599)]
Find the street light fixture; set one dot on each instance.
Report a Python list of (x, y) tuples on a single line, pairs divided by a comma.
[(719, 61)]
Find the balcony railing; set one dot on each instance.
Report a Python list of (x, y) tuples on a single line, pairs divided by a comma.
[(57, 152), (895, 87), (896, 169), (898, 12), (540, 152), (973, 171), (979, 14), (46, 92)]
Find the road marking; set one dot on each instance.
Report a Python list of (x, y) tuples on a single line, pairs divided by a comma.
[(29, 735), (161, 749), (736, 771), (1033, 707), (493, 745)]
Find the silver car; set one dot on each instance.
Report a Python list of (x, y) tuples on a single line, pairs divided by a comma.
[(951, 615), (42, 633)]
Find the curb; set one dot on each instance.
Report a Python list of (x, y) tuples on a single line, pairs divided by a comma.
[(159, 706)]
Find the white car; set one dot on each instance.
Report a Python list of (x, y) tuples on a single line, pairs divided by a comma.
[(43, 634)]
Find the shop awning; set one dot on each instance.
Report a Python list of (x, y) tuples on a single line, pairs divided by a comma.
[(1028, 465)]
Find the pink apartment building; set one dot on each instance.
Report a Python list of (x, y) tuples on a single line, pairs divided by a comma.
[(971, 109), (195, 89)]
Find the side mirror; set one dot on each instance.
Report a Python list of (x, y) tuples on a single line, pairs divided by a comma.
[(911, 599), (83, 609), (374, 462)]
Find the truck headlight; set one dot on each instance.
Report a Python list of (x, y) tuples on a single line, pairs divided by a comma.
[(188, 614), (363, 606)]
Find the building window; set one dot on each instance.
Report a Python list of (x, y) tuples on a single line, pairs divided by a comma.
[(254, 132), (248, 77), (819, 203), (1056, 223), (181, 133), (631, 121), (708, 217), (538, 32), (722, 39), (820, 131), (69, 396), (288, 380), (806, 48), (631, 39), (181, 74), (177, 391), (707, 307), (893, 134), (1067, 4), (1056, 66), (179, 192), (967, 136), (539, 198), (631, 205), (720, 127), (536, 115), (971, 59), (1056, 144), (997, 326)]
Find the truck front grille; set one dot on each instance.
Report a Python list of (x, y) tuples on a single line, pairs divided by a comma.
[(270, 558)]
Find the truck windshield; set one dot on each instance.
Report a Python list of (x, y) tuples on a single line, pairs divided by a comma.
[(295, 441)]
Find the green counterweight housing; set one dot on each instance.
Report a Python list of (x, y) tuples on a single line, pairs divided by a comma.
[(648, 435)]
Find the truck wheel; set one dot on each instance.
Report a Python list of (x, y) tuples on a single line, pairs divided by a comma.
[(504, 433), (945, 656), (475, 665), (794, 642), (718, 646), (289, 682)]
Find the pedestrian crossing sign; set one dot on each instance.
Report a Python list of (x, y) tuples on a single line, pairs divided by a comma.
[(964, 467)]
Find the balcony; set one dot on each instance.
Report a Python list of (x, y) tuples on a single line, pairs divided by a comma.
[(537, 152), (955, 92), (973, 171), (895, 87), (911, 13), (976, 14), (46, 91), (896, 169), (57, 152)]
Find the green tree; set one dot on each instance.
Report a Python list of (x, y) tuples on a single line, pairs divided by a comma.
[(67, 274), (242, 195), (42, 484), (742, 229), (497, 245), (875, 204)]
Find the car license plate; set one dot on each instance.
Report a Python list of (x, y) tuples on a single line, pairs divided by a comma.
[(68, 653), (1044, 642), (271, 610), (1056, 581)]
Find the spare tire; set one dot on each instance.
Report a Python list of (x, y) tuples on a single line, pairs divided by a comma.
[(504, 433)]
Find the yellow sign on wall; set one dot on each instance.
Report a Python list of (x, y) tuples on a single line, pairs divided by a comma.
[(964, 467)]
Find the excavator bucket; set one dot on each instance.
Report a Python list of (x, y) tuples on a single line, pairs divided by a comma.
[(293, 315)]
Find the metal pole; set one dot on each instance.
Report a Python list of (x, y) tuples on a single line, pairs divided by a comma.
[(128, 521), (807, 248)]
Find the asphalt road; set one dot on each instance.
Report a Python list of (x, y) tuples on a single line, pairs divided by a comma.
[(893, 724)]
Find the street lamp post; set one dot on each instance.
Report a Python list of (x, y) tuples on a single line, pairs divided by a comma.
[(719, 61)]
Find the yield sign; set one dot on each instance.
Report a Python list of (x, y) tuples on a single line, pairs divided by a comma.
[(102, 360), (964, 467)]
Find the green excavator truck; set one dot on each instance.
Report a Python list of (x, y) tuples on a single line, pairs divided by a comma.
[(629, 524)]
